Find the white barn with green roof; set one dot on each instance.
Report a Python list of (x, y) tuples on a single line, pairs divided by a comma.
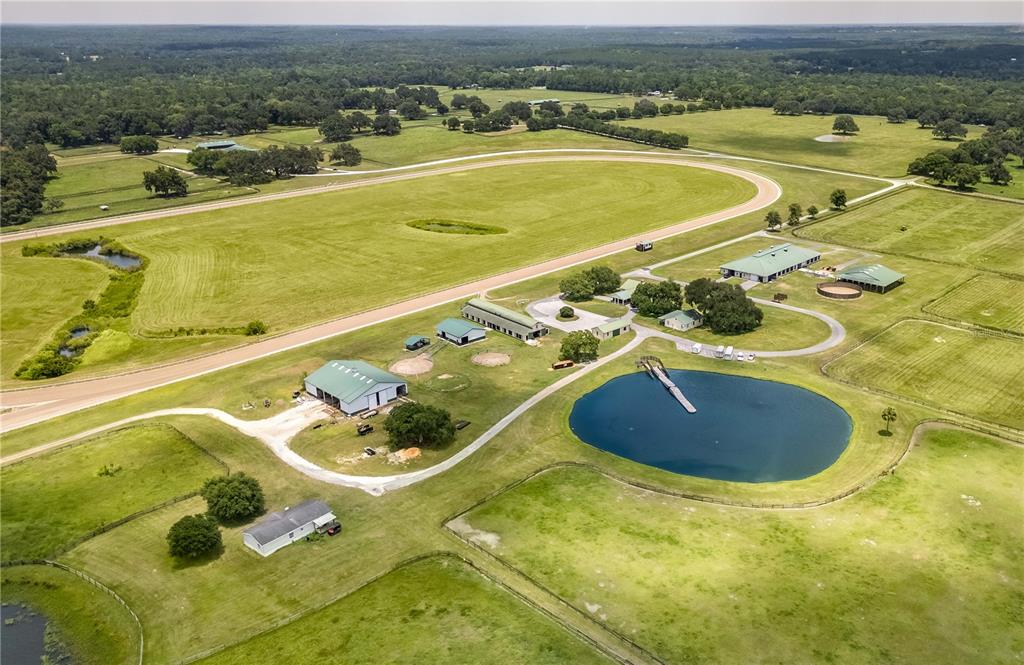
[(625, 292), (459, 331), (352, 386), (503, 319), (874, 277), (768, 264), (681, 319), (612, 328)]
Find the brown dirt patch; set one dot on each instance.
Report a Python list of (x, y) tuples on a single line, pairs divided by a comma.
[(491, 359), (420, 364)]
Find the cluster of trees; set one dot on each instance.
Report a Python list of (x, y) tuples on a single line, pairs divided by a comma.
[(252, 167), (165, 181), (579, 346), (657, 298), (589, 122), (23, 176), (346, 154), (419, 425), (585, 284), (964, 165), (726, 308), (139, 145), (232, 499)]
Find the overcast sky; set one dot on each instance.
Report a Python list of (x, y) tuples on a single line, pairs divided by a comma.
[(511, 12)]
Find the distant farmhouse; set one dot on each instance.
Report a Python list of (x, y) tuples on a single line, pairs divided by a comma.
[(459, 331), (291, 524), (352, 386), (503, 320), (875, 277), (769, 264), (223, 145), (624, 294), (612, 328), (681, 319)]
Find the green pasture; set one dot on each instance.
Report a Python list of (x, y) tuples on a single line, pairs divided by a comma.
[(780, 330), (204, 272), (435, 610), (496, 97), (934, 225), (51, 500), (977, 374), (922, 567), (880, 148), (1013, 190), (37, 300), (95, 628), (986, 300)]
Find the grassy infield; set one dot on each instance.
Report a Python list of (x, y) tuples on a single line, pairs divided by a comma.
[(924, 562)]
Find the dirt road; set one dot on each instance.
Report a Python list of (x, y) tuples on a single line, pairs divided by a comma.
[(37, 404)]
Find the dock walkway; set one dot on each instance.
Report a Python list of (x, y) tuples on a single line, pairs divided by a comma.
[(656, 369)]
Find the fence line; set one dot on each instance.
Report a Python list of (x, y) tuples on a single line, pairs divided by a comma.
[(91, 580)]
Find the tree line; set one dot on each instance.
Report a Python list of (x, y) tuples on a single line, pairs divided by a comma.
[(965, 164)]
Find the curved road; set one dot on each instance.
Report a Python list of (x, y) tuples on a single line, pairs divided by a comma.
[(37, 404)]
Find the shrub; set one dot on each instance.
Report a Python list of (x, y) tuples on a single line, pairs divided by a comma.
[(566, 312), (420, 425), (233, 498), (193, 536), (254, 328)]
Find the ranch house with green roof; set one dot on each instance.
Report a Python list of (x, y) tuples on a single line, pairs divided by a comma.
[(874, 277), (352, 386), (768, 264), (503, 319)]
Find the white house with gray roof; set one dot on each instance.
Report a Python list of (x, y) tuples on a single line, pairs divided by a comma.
[(286, 526), (353, 386)]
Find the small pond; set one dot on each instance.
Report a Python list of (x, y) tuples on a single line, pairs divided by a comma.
[(746, 430), (80, 331), (21, 636), (116, 260)]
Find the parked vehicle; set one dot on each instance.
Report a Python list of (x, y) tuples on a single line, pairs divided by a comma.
[(728, 353), (363, 429), (369, 451), (720, 351), (750, 356), (461, 424), (562, 364), (331, 529), (739, 355), (368, 414), (644, 246), (697, 348)]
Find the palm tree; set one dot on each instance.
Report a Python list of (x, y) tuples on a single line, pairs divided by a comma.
[(889, 416)]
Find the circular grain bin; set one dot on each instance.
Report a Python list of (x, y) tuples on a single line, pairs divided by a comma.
[(839, 290)]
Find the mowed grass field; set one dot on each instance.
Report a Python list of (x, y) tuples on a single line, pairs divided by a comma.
[(974, 373), (53, 499), (939, 226), (924, 566), (437, 610), (308, 259), (880, 148), (985, 300)]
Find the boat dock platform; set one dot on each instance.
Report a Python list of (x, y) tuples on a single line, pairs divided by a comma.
[(656, 369)]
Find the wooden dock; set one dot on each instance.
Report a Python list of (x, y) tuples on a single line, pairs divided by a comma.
[(656, 369)]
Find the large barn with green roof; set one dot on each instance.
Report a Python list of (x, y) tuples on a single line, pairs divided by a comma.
[(503, 319), (352, 386), (874, 277), (768, 264)]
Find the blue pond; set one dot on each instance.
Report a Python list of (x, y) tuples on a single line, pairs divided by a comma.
[(746, 430), (116, 260)]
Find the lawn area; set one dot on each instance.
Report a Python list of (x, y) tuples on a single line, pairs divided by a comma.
[(36, 302), (147, 464), (431, 611), (880, 148), (204, 273), (972, 373), (922, 567), (780, 330), (940, 226), (1013, 190), (985, 300), (94, 627), (496, 97)]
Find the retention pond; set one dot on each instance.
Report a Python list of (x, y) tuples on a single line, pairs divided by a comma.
[(746, 430)]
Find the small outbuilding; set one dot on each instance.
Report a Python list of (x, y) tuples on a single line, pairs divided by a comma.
[(416, 342), (875, 277), (503, 319), (223, 145), (612, 328), (768, 264), (459, 331), (285, 527), (352, 386), (624, 294), (682, 319)]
